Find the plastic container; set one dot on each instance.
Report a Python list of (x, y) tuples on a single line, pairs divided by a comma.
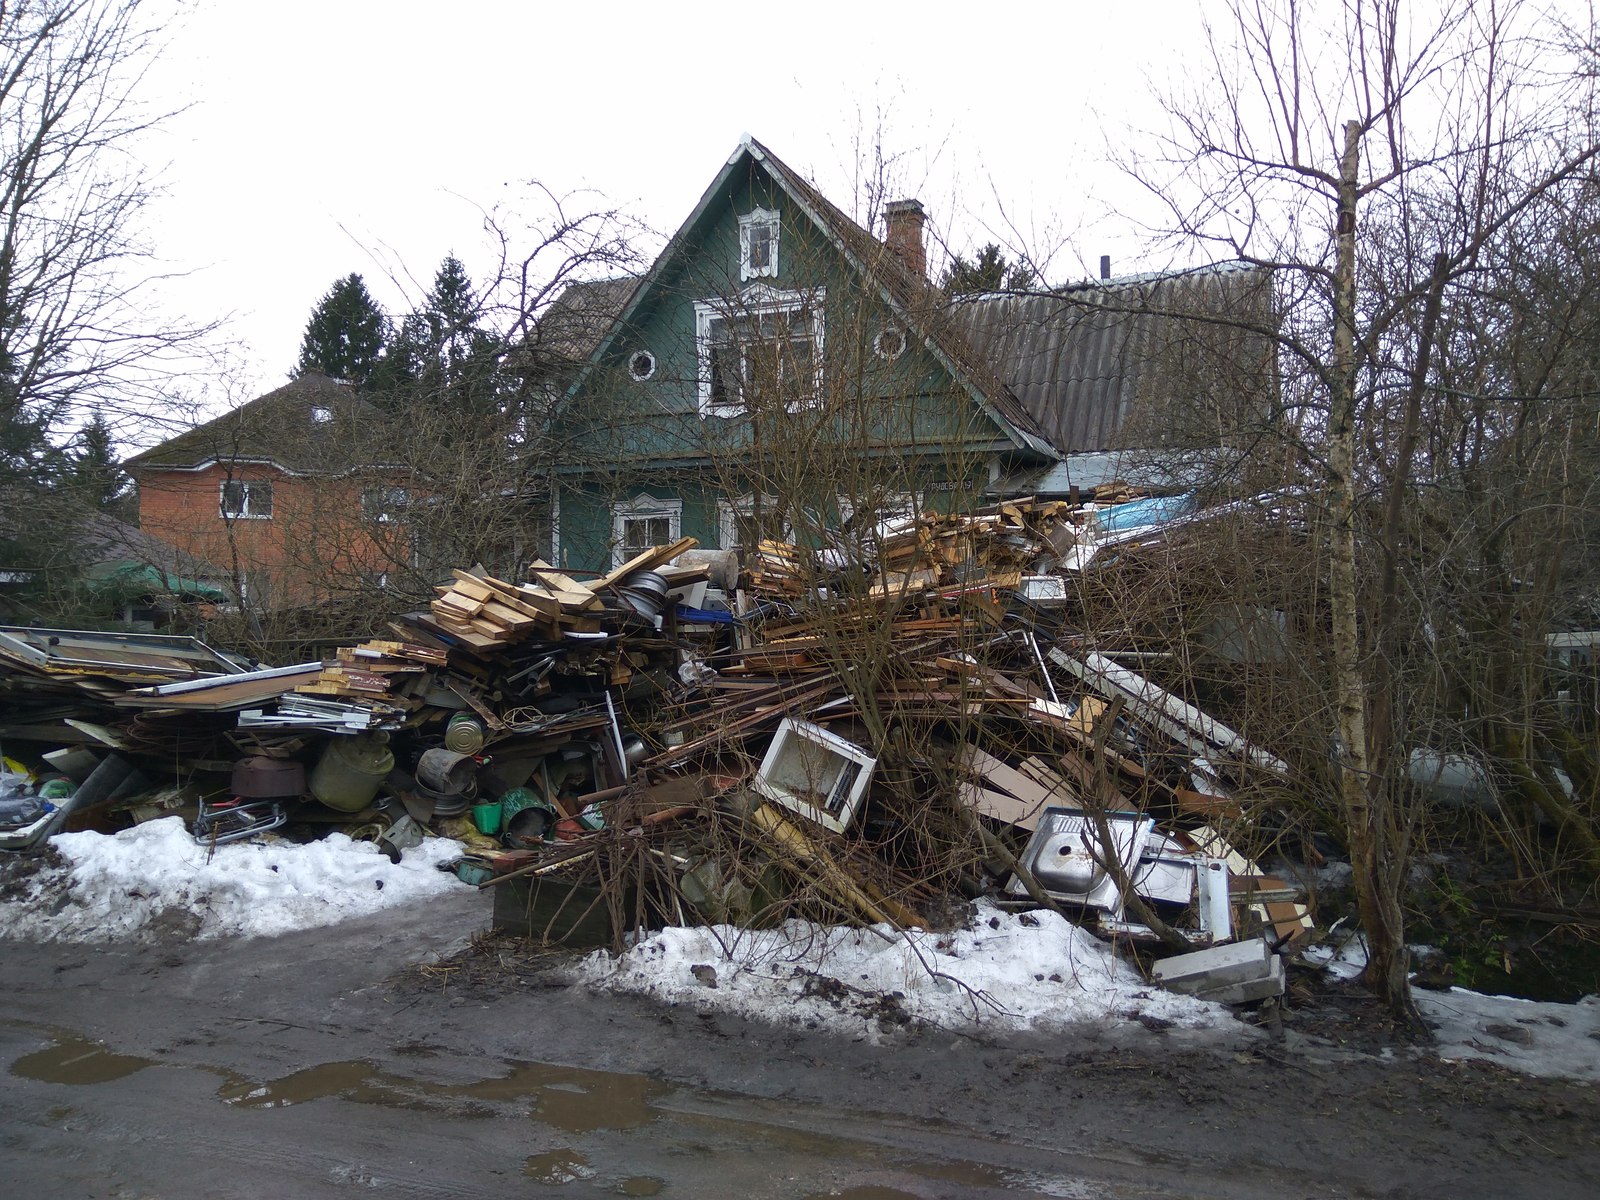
[(348, 774), (487, 818)]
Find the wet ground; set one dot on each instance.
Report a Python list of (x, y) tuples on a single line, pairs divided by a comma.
[(327, 1063)]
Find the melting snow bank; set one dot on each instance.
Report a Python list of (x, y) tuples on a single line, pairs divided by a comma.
[(1556, 1040), (153, 878), (1008, 972)]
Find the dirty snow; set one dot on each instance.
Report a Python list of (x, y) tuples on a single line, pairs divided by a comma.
[(145, 881), (1007, 972), (1554, 1040)]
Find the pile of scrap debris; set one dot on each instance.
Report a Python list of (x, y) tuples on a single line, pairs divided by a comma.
[(868, 735)]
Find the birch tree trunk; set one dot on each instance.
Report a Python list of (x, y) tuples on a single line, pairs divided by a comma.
[(1361, 792)]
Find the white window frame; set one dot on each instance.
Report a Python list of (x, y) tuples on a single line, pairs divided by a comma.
[(754, 303), (728, 512), (385, 504), (245, 510), (647, 507), (894, 507), (758, 218)]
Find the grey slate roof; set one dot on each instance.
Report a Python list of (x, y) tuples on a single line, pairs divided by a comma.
[(579, 319), (1082, 358), (279, 428)]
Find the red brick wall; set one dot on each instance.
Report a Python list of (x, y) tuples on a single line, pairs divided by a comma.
[(316, 542)]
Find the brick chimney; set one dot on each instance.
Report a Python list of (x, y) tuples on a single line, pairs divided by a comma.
[(903, 221)]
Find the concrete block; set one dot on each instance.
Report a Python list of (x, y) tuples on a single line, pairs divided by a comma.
[(1245, 991), (1217, 966)]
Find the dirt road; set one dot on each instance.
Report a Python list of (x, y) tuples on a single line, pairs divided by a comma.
[(324, 1064)]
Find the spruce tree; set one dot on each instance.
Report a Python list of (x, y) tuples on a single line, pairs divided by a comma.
[(989, 272), (346, 335), (94, 474)]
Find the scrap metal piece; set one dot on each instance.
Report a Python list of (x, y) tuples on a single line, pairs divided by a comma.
[(815, 773), (1065, 856)]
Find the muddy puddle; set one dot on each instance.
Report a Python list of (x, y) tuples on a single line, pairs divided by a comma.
[(575, 1101), (76, 1060), (571, 1099)]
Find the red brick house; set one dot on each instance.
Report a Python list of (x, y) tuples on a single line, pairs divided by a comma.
[(286, 493)]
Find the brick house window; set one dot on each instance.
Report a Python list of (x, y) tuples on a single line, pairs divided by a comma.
[(246, 499), (385, 504)]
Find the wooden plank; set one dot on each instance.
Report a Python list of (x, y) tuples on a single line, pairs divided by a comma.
[(470, 585), (646, 560), (566, 589), (530, 602), (1000, 807), (1003, 776)]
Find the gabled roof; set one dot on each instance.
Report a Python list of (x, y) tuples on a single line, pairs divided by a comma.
[(280, 428), (912, 299)]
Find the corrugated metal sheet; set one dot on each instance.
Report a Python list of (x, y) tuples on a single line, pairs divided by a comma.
[(1080, 358)]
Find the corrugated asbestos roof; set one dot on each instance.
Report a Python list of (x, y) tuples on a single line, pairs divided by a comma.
[(1079, 358)]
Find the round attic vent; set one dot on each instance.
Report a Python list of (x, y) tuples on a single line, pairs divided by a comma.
[(642, 365), (890, 343)]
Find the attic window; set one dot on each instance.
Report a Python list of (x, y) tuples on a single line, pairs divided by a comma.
[(758, 244), (321, 415), (641, 365), (890, 343)]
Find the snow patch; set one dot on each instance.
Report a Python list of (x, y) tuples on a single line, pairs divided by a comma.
[(153, 878), (1552, 1040), (1008, 971)]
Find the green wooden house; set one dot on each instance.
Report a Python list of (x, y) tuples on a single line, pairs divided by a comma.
[(781, 372)]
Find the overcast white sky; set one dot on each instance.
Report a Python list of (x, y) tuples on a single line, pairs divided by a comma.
[(356, 135)]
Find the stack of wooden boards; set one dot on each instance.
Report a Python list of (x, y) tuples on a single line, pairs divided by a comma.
[(476, 619), (988, 549), (395, 673)]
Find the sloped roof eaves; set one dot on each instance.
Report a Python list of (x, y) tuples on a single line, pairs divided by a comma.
[(276, 428)]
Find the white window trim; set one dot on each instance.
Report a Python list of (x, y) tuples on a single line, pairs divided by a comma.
[(729, 510), (894, 508), (639, 376), (555, 524), (879, 343), (755, 301), (642, 505), (244, 513), (747, 225), (386, 504)]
